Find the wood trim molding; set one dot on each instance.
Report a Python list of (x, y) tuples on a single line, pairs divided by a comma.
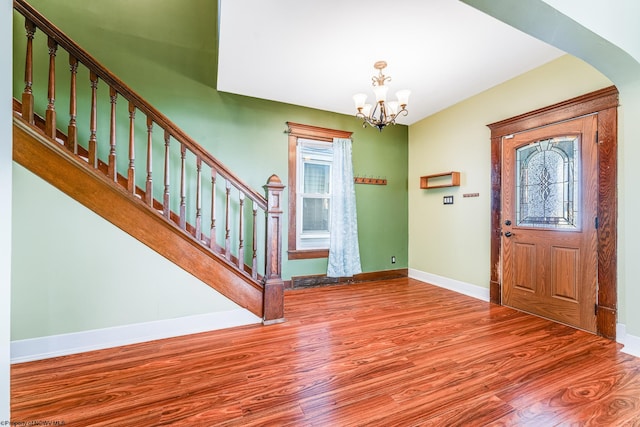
[(604, 103), (298, 282), (314, 132), (495, 286), (307, 254), (607, 222), (295, 131), (565, 110)]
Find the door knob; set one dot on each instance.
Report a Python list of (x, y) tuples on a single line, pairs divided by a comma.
[(508, 234)]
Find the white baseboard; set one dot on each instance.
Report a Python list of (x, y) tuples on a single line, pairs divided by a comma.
[(631, 342), (474, 291), (61, 345), (621, 332)]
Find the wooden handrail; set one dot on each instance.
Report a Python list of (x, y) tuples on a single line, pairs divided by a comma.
[(130, 95)]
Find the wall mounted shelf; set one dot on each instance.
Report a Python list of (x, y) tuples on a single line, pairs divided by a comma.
[(440, 180)]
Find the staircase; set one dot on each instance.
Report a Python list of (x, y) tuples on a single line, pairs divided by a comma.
[(198, 215)]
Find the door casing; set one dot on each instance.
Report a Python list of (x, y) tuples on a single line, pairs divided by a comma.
[(604, 103)]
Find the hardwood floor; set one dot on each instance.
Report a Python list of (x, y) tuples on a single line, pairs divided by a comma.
[(389, 353)]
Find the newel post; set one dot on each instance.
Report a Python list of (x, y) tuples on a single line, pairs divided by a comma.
[(273, 302)]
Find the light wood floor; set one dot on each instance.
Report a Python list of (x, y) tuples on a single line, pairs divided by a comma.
[(390, 353)]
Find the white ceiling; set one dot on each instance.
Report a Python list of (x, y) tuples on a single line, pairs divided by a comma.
[(319, 53)]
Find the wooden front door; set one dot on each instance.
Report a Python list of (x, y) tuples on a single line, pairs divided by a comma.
[(549, 221)]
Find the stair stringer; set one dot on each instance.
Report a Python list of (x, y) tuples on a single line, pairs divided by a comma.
[(53, 163)]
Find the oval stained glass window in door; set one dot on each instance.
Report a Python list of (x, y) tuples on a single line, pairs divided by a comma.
[(547, 190)]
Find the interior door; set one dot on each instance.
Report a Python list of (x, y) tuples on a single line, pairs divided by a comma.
[(549, 220)]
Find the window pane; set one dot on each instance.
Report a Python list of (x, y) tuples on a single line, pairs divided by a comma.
[(316, 178), (315, 215), (547, 184)]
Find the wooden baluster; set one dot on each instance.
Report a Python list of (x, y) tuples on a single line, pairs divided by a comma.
[(131, 170), (183, 204), (254, 257), (227, 236), (93, 122), (273, 303), (166, 208), (212, 235), (148, 190), (27, 94), (198, 199), (72, 129), (241, 234), (112, 172), (50, 115)]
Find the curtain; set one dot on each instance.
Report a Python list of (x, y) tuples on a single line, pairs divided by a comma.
[(344, 251)]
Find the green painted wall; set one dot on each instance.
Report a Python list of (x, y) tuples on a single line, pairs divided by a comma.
[(453, 240), (246, 134), (166, 51), (75, 271)]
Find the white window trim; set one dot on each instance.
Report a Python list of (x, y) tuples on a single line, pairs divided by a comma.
[(317, 240)]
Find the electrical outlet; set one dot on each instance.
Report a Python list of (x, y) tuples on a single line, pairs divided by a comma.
[(393, 259)]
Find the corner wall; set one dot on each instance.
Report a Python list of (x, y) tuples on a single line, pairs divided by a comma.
[(6, 29), (453, 241)]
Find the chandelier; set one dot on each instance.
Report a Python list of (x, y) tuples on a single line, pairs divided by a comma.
[(383, 112)]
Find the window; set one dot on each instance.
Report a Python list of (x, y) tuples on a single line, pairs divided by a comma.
[(313, 194), (310, 158), (547, 188)]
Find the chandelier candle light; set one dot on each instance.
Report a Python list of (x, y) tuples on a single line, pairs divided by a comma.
[(383, 113)]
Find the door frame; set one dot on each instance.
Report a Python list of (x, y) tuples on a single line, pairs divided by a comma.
[(604, 103)]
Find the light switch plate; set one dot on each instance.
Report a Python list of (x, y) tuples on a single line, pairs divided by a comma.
[(447, 200)]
